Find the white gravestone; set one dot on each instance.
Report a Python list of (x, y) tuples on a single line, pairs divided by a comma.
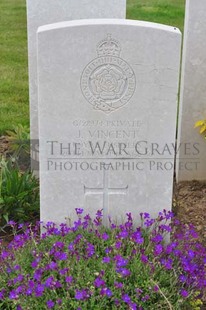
[(42, 12), (191, 159), (107, 116)]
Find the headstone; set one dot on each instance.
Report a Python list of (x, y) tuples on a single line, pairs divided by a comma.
[(107, 116), (191, 158), (42, 12)]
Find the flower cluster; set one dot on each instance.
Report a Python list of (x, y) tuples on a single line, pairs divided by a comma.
[(88, 266)]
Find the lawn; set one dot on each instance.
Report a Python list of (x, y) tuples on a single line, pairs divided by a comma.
[(169, 12), (14, 98)]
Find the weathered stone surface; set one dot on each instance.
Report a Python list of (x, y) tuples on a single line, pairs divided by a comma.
[(107, 116), (191, 161), (42, 12)]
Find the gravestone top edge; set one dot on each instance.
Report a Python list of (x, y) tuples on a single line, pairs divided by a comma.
[(105, 21)]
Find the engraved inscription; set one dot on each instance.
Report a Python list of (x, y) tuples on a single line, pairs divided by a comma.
[(108, 82)]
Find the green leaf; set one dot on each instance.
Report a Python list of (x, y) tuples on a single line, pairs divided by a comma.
[(6, 217)]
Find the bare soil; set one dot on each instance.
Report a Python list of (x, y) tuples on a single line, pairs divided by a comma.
[(189, 204), (4, 146)]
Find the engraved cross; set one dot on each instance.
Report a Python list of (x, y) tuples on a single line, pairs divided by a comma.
[(106, 191)]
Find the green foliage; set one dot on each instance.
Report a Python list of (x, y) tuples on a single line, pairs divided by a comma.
[(19, 139), (14, 99), (202, 125), (19, 194), (168, 12), (87, 266)]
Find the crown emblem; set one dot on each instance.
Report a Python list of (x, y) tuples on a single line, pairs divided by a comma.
[(109, 47), (108, 82)]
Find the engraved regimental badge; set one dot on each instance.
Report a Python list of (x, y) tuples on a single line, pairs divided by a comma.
[(108, 82)]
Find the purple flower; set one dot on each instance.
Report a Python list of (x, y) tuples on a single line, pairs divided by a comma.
[(118, 285), (146, 215), (167, 263), (99, 282), (139, 291), (71, 247), (166, 228), (108, 250), (99, 213), (137, 237), (106, 260), (117, 302), (184, 293), (38, 274), (13, 295), (118, 244), (2, 292), (182, 278), (59, 302), (144, 258), (123, 234), (53, 265), (170, 247), (79, 211), (124, 272), (12, 223), (83, 294), (106, 291), (132, 306), (79, 295), (5, 254), (126, 298), (169, 215), (149, 223), (158, 249), (145, 298), (191, 254), (69, 279), (29, 291), (105, 236), (90, 250), (87, 217), (8, 270), (129, 216), (120, 261), (19, 278), (31, 284), (19, 289), (34, 264), (57, 284), (50, 304), (155, 288), (157, 239), (61, 256), (59, 245), (49, 282), (63, 271), (39, 290)]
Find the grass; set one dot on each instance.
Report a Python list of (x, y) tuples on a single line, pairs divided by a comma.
[(168, 12), (14, 98), (14, 108)]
